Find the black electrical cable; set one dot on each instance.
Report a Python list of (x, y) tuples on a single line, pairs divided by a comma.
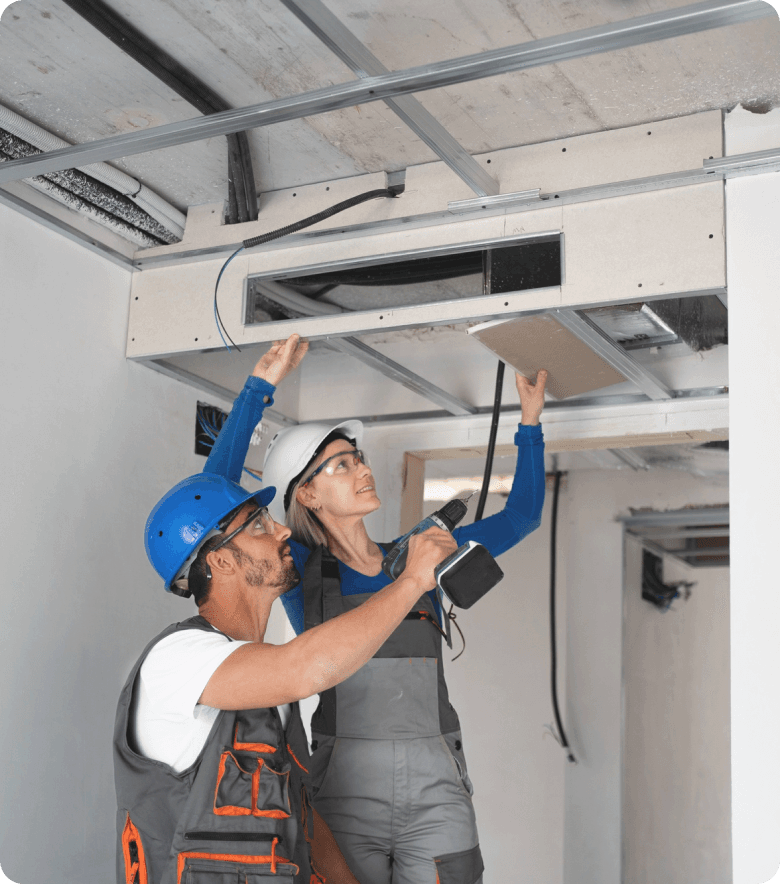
[(247, 176), (553, 651), (293, 228), (155, 60), (491, 447), (491, 441), (235, 204)]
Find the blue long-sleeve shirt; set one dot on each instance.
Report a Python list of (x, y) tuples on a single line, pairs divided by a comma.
[(498, 533)]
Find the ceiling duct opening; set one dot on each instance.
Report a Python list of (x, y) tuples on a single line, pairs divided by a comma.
[(443, 277), (701, 322)]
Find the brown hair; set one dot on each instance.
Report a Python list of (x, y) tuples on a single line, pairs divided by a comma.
[(305, 526)]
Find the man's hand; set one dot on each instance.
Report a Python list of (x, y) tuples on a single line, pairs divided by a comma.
[(531, 397), (426, 551), (281, 359)]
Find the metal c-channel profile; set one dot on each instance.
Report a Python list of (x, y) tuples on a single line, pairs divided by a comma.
[(551, 50), (673, 518), (206, 386), (410, 380), (612, 352), (340, 40)]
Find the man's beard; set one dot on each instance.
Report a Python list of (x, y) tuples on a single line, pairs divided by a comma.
[(260, 572)]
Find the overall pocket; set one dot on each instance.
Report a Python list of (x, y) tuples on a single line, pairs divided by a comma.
[(133, 854), (247, 786), (454, 746), (196, 867), (463, 867), (320, 762), (251, 735)]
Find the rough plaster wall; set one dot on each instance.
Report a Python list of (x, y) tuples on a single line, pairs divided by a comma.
[(90, 443), (677, 786)]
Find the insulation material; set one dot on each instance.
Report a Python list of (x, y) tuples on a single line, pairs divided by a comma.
[(83, 193), (534, 342)]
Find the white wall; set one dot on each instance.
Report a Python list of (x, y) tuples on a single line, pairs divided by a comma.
[(543, 820), (753, 219), (500, 687), (594, 662), (677, 765), (90, 442)]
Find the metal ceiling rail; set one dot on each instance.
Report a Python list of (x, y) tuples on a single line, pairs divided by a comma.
[(716, 515), (630, 458), (594, 408), (551, 50), (339, 39), (395, 371), (661, 551), (206, 386), (699, 552), (610, 351), (58, 225), (659, 533), (488, 207), (755, 163)]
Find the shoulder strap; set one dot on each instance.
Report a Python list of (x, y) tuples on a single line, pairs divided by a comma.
[(312, 589), (198, 622)]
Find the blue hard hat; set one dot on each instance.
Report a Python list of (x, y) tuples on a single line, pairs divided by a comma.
[(187, 515)]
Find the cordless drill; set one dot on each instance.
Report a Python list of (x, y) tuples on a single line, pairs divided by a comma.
[(466, 575)]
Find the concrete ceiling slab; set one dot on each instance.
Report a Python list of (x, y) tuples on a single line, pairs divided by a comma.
[(59, 72)]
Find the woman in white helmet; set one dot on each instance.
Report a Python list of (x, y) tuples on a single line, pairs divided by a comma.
[(388, 769)]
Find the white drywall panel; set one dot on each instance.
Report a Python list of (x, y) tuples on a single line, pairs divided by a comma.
[(672, 145), (645, 245), (654, 240), (640, 246), (91, 441), (753, 218), (677, 766), (174, 310)]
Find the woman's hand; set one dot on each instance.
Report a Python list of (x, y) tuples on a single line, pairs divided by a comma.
[(531, 397), (281, 359)]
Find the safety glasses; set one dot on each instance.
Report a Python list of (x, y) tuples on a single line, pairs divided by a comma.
[(341, 464), (259, 522)]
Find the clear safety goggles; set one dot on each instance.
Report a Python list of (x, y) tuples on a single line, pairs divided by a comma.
[(341, 464), (259, 522)]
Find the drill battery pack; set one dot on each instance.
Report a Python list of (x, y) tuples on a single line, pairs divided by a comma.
[(466, 575)]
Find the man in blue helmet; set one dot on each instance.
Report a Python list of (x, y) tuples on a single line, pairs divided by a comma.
[(210, 754)]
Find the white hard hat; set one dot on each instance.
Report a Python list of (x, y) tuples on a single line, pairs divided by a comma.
[(290, 451)]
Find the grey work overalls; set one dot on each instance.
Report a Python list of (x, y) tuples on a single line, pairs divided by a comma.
[(239, 813), (388, 770)]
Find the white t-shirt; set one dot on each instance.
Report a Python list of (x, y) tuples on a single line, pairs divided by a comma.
[(168, 723)]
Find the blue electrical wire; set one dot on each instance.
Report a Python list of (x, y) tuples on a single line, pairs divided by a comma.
[(212, 432)]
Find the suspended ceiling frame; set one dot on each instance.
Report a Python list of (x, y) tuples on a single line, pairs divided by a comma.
[(695, 237), (378, 84)]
